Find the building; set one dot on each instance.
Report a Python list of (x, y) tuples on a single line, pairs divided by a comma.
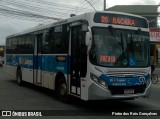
[(148, 11), (151, 13)]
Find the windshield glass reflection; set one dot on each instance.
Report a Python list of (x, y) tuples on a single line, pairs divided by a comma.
[(120, 48)]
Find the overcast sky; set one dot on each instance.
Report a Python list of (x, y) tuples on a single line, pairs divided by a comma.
[(10, 25)]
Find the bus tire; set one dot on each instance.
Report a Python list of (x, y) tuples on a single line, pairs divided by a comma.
[(154, 78), (19, 77), (62, 90)]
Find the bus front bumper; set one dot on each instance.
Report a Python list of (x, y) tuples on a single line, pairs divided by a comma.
[(96, 92)]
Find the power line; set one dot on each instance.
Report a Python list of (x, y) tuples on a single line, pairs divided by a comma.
[(26, 12), (30, 7), (63, 6), (41, 9), (57, 6), (38, 10), (23, 13), (81, 5), (88, 3), (16, 12), (91, 5)]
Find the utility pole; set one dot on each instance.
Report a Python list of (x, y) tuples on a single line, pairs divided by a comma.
[(104, 5)]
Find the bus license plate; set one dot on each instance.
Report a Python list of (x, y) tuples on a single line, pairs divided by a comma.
[(128, 91)]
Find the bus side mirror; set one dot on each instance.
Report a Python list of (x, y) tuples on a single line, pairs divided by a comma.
[(88, 39)]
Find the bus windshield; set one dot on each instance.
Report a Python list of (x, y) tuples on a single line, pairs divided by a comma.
[(119, 47)]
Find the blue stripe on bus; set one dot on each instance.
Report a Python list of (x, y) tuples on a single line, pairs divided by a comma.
[(124, 81), (48, 62)]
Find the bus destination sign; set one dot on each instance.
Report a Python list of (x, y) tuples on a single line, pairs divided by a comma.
[(118, 19)]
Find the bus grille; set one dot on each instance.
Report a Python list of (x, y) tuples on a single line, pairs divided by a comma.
[(120, 89), (126, 73)]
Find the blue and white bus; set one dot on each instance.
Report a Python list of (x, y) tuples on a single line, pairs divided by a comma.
[(93, 56)]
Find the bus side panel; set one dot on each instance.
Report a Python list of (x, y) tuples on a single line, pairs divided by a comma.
[(27, 75), (47, 71), (51, 66), (10, 67), (48, 79), (26, 64)]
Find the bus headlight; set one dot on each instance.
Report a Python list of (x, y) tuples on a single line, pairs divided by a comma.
[(94, 78), (102, 82), (98, 80)]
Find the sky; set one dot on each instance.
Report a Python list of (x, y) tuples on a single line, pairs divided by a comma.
[(10, 25)]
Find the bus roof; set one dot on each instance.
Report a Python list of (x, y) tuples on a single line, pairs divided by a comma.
[(71, 19)]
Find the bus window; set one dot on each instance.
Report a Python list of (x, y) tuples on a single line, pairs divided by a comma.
[(56, 41)]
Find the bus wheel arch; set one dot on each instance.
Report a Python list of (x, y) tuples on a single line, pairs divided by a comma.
[(61, 87), (19, 75)]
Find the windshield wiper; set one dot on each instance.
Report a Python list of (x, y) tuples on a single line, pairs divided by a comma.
[(132, 46), (119, 41), (114, 34), (122, 46)]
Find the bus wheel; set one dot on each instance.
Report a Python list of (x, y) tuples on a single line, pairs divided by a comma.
[(19, 77), (62, 91)]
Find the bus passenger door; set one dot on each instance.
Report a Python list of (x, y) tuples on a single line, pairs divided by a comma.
[(78, 60), (38, 59)]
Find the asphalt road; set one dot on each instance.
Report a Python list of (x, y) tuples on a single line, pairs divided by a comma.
[(29, 97)]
